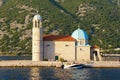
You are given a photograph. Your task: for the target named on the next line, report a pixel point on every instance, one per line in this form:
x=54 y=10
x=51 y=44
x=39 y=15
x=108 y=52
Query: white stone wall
x=37 y=44
x=37 y=41
x=62 y=49
x=65 y=50
x=48 y=49
x=83 y=53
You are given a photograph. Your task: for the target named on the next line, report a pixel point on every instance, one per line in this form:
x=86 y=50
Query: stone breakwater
x=29 y=63
x=102 y=64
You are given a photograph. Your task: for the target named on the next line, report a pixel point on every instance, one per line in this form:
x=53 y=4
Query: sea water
x=51 y=73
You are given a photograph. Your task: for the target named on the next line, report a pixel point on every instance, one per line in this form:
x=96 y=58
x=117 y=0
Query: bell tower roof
x=37 y=21
x=37 y=17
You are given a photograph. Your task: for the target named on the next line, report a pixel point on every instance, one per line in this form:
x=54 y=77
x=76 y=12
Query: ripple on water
x=36 y=73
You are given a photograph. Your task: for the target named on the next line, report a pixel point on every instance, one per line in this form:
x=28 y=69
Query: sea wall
x=29 y=63
x=111 y=57
x=102 y=64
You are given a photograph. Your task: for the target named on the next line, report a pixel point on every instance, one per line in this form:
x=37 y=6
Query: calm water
x=15 y=57
x=37 y=73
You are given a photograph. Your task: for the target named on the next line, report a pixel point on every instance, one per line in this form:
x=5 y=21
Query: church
x=74 y=47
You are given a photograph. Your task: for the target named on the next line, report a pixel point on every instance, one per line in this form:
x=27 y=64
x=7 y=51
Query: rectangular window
x=48 y=45
x=80 y=42
x=66 y=45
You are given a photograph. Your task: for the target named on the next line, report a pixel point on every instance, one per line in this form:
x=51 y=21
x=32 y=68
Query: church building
x=74 y=47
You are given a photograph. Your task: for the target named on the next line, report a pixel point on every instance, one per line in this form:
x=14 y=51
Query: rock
x=83 y=9
x=60 y=1
x=1 y=2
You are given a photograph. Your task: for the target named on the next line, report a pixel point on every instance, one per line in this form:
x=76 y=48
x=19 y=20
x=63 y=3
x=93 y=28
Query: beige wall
x=63 y=49
x=82 y=42
x=37 y=39
x=37 y=44
x=48 y=49
x=83 y=53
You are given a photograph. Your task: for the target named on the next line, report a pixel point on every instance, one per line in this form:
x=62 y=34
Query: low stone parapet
x=103 y=64
x=28 y=63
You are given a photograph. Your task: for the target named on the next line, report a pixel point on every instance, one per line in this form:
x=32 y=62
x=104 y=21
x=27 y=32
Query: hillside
x=100 y=19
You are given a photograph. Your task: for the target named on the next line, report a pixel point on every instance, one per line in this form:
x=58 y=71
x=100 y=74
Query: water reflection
x=96 y=74
x=87 y=74
x=35 y=74
x=14 y=73
x=49 y=73
x=42 y=73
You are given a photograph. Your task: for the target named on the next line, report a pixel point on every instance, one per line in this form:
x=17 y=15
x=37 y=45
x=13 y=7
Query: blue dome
x=79 y=34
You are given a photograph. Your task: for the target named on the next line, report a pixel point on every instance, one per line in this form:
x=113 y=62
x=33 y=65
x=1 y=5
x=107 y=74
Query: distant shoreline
x=14 y=55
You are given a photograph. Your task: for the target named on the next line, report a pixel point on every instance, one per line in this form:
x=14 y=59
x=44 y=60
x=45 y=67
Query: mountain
x=100 y=19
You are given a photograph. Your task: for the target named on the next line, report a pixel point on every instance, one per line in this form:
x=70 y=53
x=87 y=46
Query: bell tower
x=37 y=39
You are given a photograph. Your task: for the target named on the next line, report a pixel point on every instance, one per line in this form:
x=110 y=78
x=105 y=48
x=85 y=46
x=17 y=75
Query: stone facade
x=37 y=40
x=55 y=47
x=83 y=53
x=60 y=49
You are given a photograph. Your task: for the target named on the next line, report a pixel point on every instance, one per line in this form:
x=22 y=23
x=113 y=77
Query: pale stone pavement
x=29 y=63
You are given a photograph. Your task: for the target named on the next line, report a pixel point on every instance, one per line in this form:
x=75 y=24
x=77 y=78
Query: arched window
x=35 y=23
x=38 y=24
x=81 y=43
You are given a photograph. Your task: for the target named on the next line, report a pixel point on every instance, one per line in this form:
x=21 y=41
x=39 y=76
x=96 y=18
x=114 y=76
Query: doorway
x=56 y=58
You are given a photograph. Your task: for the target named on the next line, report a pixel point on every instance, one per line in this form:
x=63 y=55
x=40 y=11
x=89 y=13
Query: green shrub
x=61 y=59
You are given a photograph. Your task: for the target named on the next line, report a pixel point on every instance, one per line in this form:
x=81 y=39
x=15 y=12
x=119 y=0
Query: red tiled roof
x=57 y=38
x=95 y=46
